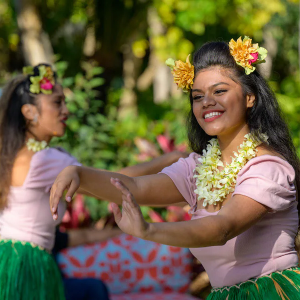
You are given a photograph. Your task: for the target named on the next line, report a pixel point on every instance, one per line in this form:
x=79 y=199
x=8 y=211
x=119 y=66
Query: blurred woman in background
x=32 y=112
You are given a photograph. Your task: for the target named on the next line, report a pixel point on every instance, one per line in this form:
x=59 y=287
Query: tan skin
x=213 y=90
x=46 y=120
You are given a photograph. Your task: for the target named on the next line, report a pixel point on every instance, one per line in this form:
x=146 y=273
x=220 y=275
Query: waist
x=24 y=243
x=43 y=239
x=271 y=286
x=231 y=273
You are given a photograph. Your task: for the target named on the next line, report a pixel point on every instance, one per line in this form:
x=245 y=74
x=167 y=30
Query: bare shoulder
x=21 y=167
x=265 y=150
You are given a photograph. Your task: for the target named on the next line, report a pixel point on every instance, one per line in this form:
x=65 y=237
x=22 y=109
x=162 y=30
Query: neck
x=231 y=142
x=38 y=137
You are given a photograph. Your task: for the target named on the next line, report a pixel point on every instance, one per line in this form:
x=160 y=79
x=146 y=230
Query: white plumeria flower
x=214 y=185
x=36 y=146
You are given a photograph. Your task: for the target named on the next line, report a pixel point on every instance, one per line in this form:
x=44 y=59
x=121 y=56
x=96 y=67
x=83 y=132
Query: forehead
x=57 y=90
x=209 y=77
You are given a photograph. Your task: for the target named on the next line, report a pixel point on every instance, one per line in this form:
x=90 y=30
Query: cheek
x=196 y=107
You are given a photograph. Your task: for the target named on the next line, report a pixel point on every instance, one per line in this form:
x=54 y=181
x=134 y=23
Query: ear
x=29 y=111
x=250 y=100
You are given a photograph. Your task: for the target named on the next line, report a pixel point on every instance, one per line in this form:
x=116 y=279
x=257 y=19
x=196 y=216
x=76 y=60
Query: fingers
x=71 y=191
x=131 y=201
x=56 y=194
x=119 y=185
x=116 y=211
x=126 y=194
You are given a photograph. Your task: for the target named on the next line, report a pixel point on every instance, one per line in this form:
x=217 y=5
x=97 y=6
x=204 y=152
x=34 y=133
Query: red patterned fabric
x=130 y=265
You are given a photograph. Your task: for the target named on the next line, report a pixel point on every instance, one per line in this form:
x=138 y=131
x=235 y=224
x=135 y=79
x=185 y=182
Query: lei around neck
x=35 y=145
x=214 y=185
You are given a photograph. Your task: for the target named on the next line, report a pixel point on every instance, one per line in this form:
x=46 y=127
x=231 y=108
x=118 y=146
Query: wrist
x=149 y=232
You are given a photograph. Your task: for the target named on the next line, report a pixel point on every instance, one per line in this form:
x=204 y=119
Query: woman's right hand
x=68 y=179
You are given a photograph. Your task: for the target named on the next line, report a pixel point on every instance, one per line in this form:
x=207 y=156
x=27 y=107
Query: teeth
x=213 y=114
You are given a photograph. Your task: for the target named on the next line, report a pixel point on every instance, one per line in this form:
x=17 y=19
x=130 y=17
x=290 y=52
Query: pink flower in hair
x=255 y=57
x=46 y=84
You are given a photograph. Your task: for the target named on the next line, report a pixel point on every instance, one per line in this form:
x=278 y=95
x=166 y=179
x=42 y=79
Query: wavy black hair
x=13 y=126
x=264 y=116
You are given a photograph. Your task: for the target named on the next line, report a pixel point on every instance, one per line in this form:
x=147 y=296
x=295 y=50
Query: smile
x=211 y=116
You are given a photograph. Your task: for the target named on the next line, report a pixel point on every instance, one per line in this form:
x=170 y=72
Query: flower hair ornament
x=42 y=81
x=183 y=73
x=245 y=54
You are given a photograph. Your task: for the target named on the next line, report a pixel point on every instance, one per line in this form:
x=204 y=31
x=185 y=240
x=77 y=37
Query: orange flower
x=183 y=74
x=241 y=50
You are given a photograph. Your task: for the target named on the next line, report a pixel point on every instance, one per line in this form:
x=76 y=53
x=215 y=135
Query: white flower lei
x=214 y=185
x=36 y=146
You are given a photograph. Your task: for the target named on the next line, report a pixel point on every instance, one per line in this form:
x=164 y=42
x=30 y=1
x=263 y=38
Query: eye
x=197 y=98
x=220 y=91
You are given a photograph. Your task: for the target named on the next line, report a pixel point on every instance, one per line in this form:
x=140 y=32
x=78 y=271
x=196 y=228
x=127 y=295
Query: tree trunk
x=270 y=43
x=128 y=102
x=36 y=43
x=156 y=72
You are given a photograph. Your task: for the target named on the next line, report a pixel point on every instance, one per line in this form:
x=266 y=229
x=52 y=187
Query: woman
x=242 y=189
x=33 y=111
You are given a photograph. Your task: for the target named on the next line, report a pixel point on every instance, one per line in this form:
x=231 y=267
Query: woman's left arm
x=238 y=215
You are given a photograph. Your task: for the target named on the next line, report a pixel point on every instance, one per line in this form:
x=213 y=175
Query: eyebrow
x=214 y=85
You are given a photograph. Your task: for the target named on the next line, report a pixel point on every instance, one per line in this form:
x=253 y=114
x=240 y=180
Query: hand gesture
x=130 y=220
x=67 y=179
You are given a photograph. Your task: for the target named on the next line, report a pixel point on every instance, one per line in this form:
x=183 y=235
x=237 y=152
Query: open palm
x=130 y=219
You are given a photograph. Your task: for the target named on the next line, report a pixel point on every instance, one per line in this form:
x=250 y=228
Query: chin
x=213 y=131
x=59 y=133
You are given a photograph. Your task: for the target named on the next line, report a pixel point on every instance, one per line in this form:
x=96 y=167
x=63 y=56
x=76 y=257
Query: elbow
x=222 y=237
x=221 y=241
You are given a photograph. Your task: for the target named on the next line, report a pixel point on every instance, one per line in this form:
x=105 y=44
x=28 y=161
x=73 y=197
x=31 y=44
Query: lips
x=63 y=121
x=212 y=115
x=211 y=111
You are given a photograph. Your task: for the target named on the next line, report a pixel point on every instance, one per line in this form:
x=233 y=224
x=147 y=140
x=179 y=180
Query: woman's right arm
x=152 y=190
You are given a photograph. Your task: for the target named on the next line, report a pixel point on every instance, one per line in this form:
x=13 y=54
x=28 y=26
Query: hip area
x=279 y=285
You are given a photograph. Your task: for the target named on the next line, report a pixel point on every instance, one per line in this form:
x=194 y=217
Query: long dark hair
x=264 y=116
x=13 y=126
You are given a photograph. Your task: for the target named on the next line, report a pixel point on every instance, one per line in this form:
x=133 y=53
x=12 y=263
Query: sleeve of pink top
x=182 y=173
x=268 y=180
x=46 y=165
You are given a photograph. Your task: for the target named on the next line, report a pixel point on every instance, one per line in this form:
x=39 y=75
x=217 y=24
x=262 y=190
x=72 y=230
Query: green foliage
x=98 y=139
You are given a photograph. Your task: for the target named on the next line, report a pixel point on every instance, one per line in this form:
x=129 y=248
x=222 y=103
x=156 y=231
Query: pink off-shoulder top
x=266 y=247
x=28 y=217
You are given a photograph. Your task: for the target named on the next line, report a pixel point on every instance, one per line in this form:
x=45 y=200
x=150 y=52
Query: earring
x=35 y=119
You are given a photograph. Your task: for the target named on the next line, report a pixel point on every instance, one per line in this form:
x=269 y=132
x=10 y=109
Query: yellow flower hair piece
x=213 y=185
x=247 y=54
x=183 y=73
x=43 y=82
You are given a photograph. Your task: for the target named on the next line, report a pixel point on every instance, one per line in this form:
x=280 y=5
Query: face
x=52 y=113
x=218 y=102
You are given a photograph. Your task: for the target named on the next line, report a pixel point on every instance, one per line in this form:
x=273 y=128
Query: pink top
x=28 y=217
x=267 y=246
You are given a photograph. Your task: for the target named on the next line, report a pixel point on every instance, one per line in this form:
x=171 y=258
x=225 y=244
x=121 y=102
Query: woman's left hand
x=131 y=219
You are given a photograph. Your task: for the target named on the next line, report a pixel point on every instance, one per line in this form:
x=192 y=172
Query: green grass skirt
x=282 y=285
x=28 y=272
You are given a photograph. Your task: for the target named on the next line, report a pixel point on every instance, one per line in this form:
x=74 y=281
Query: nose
x=65 y=110
x=208 y=101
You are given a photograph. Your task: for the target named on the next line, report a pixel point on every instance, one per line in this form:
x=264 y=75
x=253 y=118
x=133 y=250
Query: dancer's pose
x=32 y=111
x=240 y=181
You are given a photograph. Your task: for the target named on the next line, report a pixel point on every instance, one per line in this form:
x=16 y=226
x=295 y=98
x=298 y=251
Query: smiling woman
x=240 y=181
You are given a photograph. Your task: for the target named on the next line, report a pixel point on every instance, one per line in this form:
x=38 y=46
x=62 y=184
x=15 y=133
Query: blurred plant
x=76 y=215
